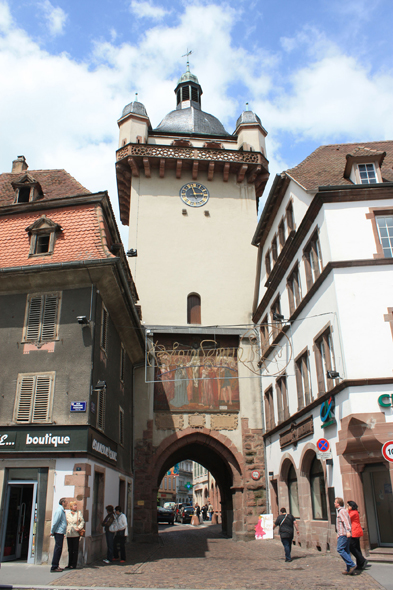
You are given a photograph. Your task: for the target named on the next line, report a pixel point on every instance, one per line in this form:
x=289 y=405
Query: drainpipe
x=134 y=367
x=263 y=429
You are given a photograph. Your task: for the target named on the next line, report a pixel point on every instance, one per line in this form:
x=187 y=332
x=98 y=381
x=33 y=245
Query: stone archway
x=219 y=456
x=211 y=449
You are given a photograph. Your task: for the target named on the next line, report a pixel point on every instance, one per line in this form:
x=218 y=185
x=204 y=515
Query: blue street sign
x=78 y=407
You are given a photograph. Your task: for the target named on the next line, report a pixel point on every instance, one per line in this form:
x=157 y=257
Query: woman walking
x=75 y=524
x=357 y=532
x=109 y=535
x=285 y=522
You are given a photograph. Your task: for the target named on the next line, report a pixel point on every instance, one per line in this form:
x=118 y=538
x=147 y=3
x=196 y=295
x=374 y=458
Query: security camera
x=82 y=319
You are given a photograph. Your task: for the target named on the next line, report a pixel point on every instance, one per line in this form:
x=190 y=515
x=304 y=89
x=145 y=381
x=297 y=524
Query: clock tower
x=189 y=190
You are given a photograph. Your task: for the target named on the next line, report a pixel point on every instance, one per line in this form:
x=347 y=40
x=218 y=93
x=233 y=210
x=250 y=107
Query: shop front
x=40 y=465
x=367 y=474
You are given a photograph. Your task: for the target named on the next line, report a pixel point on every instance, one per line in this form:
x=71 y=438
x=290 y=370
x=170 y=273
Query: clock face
x=194 y=194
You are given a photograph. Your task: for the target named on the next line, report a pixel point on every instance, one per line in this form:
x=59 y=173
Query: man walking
x=344 y=533
x=120 y=536
x=58 y=529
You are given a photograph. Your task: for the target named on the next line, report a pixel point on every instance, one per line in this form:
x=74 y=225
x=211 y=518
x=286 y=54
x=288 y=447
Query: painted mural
x=203 y=378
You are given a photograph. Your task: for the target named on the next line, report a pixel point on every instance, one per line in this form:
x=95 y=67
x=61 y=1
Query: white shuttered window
x=34 y=395
x=42 y=318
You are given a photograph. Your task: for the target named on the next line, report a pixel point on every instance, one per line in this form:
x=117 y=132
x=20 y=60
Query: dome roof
x=191 y=120
x=188 y=77
x=248 y=117
x=134 y=107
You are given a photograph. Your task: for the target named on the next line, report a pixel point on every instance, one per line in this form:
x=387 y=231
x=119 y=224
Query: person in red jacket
x=357 y=532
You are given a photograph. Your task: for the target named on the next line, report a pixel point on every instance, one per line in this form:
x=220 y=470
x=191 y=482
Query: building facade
x=186 y=188
x=70 y=335
x=323 y=314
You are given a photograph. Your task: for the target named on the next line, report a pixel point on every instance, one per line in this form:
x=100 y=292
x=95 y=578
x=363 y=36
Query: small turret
x=134 y=123
x=250 y=132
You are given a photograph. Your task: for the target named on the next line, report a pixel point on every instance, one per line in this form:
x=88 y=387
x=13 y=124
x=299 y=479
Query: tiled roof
x=83 y=236
x=326 y=165
x=55 y=184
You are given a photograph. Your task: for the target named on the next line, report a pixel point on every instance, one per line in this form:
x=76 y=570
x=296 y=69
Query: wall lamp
x=82 y=319
x=132 y=253
x=100 y=385
x=277 y=317
x=333 y=375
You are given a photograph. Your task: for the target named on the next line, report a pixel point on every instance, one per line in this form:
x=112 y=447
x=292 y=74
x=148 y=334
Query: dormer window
x=367 y=174
x=363 y=166
x=42 y=236
x=26 y=189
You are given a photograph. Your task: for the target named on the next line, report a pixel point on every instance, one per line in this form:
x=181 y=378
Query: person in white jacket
x=120 y=536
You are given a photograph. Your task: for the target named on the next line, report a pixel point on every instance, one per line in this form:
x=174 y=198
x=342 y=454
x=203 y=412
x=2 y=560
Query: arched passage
x=218 y=455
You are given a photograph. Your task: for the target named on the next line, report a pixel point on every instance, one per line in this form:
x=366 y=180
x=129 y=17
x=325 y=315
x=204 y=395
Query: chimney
x=19 y=165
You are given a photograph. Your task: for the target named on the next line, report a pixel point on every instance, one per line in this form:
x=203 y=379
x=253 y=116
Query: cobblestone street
x=194 y=558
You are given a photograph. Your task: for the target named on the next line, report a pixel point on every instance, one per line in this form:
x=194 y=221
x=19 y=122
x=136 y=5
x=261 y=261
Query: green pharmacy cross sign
x=188 y=485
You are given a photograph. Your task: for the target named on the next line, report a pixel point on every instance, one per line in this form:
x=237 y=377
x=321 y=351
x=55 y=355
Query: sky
x=316 y=72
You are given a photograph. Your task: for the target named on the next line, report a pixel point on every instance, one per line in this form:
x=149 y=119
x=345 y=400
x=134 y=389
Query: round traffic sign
x=387 y=451
x=323 y=445
x=255 y=475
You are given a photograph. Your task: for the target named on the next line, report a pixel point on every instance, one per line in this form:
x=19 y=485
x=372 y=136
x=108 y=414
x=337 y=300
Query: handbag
x=82 y=532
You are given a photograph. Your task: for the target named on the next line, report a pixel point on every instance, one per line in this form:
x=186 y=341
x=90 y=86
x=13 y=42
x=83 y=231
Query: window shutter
x=41 y=398
x=101 y=408
x=194 y=309
x=104 y=328
x=34 y=319
x=26 y=392
x=49 y=319
x=121 y=426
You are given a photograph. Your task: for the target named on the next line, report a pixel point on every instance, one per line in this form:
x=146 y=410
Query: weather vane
x=188 y=61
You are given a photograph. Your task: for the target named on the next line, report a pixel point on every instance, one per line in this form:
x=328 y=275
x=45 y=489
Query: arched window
x=293 y=492
x=193 y=309
x=318 y=493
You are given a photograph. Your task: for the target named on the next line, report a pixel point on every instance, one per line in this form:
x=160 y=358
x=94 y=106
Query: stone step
x=381 y=555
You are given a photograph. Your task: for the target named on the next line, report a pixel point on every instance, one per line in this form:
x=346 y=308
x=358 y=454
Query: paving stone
x=201 y=558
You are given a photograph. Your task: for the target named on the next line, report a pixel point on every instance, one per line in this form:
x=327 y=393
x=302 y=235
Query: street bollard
x=215 y=519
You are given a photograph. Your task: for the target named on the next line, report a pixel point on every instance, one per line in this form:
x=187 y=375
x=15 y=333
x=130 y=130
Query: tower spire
x=188 y=61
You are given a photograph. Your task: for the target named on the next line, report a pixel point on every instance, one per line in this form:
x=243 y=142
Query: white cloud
x=5 y=17
x=55 y=17
x=143 y=9
x=61 y=113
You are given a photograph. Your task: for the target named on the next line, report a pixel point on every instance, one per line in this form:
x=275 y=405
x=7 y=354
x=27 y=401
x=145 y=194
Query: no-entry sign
x=387 y=451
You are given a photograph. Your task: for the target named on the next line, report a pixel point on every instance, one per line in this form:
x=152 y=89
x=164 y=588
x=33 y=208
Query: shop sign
x=327 y=412
x=102 y=446
x=32 y=439
x=386 y=400
x=296 y=432
x=387 y=451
